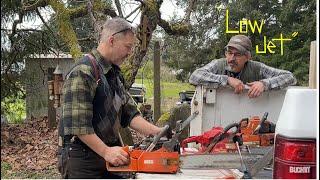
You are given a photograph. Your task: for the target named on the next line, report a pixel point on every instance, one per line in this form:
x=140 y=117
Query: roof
x=51 y=56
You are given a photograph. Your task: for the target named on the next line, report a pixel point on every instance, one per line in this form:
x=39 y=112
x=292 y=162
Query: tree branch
x=133 y=11
x=118 y=5
x=93 y=21
x=32 y=7
x=43 y=21
x=191 y=5
x=22 y=30
x=174 y=29
x=86 y=39
x=45 y=24
x=83 y=10
x=14 y=26
x=65 y=28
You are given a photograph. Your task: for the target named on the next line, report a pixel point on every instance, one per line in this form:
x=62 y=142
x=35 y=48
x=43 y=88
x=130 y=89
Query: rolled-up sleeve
x=208 y=74
x=129 y=111
x=276 y=78
x=78 y=92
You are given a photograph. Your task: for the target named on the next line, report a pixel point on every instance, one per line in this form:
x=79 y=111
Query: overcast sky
x=168 y=10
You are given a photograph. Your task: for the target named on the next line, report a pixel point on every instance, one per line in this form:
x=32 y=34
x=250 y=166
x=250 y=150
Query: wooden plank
x=313 y=66
x=51 y=110
x=195 y=173
x=144 y=33
x=156 y=84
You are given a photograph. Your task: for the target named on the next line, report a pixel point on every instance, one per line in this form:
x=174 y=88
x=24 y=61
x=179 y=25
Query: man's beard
x=229 y=68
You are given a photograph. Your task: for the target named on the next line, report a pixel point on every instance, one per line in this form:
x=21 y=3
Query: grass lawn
x=168 y=89
x=169 y=92
x=8 y=173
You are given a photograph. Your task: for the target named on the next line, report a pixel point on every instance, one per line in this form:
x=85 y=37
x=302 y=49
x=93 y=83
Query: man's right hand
x=116 y=156
x=236 y=84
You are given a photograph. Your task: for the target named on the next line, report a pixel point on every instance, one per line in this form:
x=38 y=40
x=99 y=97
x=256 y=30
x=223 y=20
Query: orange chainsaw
x=257 y=132
x=162 y=160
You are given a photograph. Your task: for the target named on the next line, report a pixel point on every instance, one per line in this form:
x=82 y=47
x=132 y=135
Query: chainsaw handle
x=184 y=143
x=156 y=139
x=230 y=126
x=126 y=149
x=221 y=136
x=243 y=120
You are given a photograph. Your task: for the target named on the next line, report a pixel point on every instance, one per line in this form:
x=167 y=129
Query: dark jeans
x=77 y=161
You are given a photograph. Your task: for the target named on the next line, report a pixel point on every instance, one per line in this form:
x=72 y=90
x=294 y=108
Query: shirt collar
x=104 y=64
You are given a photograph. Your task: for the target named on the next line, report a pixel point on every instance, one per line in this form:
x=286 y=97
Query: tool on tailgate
x=163 y=160
x=245 y=170
x=257 y=132
x=214 y=140
x=248 y=132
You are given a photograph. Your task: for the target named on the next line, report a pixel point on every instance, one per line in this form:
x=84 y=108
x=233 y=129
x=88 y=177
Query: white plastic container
x=295 y=136
x=298 y=116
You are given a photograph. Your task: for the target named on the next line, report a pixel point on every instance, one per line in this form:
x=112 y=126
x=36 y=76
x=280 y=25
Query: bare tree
x=99 y=11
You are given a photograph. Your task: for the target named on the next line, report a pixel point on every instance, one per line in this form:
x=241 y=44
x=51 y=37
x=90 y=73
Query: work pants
x=78 y=161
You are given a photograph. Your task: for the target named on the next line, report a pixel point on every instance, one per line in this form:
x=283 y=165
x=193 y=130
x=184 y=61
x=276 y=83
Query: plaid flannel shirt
x=272 y=78
x=79 y=92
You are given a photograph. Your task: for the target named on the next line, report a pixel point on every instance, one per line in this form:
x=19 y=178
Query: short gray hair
x=114 y=26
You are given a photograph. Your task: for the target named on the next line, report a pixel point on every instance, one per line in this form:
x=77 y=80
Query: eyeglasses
x=235 y=54
x=123 y=30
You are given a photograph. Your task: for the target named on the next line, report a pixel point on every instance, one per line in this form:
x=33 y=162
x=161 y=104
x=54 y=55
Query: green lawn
x=168 y=89
x=8 y=173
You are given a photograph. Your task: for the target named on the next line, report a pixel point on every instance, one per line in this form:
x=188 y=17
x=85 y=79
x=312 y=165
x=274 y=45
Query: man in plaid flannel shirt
x=237 y=70
x=94 y=109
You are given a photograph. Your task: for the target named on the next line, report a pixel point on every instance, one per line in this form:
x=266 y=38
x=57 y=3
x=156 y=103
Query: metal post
x=156 y=81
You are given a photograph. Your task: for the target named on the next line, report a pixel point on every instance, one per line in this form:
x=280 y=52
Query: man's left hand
x=256 y=89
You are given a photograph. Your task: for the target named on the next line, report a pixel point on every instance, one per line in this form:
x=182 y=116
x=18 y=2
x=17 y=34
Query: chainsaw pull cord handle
x=221 y=136
x=156 y=139
x=263 y=119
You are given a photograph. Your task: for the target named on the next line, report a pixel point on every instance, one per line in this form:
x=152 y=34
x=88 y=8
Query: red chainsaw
x=253 y=131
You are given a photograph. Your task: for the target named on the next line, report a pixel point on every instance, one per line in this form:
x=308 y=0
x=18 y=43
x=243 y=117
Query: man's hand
x=116 y=156
x=236 y=84
x=256 y=89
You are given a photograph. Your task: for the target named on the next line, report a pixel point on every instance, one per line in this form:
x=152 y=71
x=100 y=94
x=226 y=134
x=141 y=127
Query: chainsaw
x=216 y=140
x=253 y=132
x=256 y=131
x=152 y=158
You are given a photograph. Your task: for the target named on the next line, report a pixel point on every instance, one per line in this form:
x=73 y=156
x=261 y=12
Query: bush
x=14 y=109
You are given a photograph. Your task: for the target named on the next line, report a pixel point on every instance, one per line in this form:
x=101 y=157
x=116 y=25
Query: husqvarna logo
x=294 y=169
x=148 y=161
